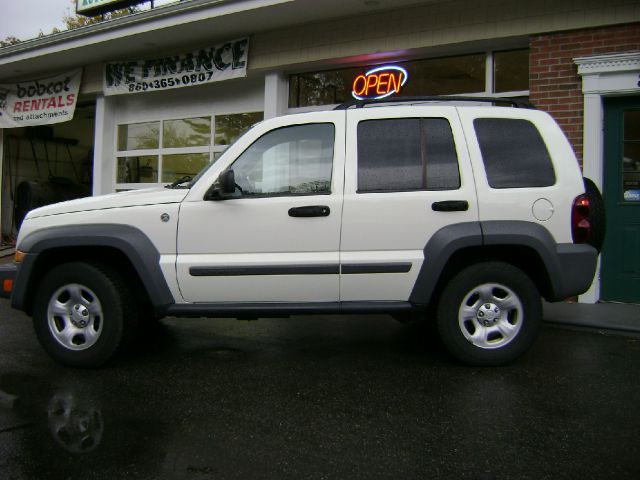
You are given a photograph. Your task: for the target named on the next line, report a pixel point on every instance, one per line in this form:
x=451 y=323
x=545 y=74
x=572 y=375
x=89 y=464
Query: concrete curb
x=610 y=316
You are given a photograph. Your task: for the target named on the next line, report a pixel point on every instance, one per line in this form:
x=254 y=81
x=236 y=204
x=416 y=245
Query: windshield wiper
x=178 y=182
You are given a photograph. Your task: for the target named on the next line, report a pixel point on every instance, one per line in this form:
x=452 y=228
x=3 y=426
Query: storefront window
x=163 y=151
x=138 y=169
x=230 y=127
x=138 y=136
x=181 y=165
x=446 y=76
x=188 y=132
x=321 y=88
x=463 y=74
x=631 y=158
x=511 y=71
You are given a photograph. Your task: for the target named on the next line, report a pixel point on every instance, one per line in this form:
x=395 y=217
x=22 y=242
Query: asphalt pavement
x=333 y=397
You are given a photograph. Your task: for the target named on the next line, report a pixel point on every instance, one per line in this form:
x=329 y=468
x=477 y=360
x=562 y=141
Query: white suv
x=465 y=215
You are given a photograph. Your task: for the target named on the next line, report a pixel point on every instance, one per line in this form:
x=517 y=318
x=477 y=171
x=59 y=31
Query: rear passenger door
x=407 y=176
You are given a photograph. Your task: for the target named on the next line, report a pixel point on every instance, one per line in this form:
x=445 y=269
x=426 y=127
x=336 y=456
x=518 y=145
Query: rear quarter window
x=514 y=153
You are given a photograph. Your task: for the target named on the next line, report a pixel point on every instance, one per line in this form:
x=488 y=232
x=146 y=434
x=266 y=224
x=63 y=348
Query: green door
x=621 y=190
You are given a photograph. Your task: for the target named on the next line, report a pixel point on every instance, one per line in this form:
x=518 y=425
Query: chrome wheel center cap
x=488 y=314
x=79 y=315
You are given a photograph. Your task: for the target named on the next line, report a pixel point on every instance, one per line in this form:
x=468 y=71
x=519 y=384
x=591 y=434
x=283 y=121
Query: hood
x=132 y=198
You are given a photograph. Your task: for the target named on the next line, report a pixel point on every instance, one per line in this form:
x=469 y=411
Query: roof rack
x=514 y=102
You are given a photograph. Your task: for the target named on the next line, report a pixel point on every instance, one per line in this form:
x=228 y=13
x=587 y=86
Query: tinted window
x=288 y=161
x=406 y=154
x=513 y=153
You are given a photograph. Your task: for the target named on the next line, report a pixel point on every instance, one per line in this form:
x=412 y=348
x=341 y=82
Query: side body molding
x=132 y=242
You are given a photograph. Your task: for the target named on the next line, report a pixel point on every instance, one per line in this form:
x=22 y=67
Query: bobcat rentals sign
x=39 y=102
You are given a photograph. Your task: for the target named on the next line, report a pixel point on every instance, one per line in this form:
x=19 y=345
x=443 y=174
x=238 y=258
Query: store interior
x=45 y=164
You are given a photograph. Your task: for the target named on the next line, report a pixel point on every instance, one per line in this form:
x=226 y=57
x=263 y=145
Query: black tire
x=511 y=329
x=94 y=306
x=597 y=217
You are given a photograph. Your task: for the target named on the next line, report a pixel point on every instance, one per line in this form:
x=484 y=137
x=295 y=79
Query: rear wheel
x=489 y=314
x=81 y=314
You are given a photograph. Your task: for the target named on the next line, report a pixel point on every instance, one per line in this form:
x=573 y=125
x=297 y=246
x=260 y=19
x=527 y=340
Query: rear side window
x=514 y=154
x=404 y=154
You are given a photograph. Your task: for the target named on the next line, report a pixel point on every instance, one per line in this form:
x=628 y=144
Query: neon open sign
x=379 y=82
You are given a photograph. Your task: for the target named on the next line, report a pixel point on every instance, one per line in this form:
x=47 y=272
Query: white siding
x=431 y=25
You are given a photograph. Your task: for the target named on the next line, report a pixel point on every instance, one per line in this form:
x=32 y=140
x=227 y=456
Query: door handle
x=310 y=211
x=450 y=206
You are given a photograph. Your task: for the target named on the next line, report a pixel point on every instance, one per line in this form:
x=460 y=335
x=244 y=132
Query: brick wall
x=553 y=77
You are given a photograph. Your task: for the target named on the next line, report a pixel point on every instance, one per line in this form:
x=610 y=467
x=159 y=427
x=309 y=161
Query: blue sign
x=632 y=196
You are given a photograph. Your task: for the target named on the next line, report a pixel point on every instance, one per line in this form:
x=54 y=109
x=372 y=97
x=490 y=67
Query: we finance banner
x=39 y=102
x=202 y=66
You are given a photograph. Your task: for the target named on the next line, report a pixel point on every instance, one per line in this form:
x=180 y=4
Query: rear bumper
x=576 y=269
x=8 y=274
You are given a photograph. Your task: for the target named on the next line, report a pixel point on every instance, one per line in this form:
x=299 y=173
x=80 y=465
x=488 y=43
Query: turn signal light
x=19 y=256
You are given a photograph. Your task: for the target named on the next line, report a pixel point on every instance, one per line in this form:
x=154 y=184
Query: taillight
x=580 y=224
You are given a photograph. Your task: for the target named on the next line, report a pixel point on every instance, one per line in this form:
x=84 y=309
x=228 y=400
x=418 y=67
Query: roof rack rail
x=514 y=102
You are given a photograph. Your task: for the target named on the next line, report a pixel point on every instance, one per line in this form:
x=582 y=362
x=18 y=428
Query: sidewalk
x=609 y=316
x=6 y=253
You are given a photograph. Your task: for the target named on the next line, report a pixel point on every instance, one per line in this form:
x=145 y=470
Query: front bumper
x=8 y=274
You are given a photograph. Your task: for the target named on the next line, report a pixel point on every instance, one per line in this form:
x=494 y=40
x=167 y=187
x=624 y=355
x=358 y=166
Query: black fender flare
x=569 y=267
x=130 y=241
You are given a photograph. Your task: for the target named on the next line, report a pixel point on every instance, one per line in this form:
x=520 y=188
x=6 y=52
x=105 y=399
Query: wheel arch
x=522 y=257
x=125 y=247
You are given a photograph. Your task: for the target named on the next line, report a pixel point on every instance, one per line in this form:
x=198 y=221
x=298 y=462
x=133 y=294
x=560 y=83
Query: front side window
x=293 y=160
x=404 y=154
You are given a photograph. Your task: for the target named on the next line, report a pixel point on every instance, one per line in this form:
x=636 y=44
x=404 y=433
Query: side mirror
x=223 y=188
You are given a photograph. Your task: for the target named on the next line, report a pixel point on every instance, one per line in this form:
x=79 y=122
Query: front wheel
x=489 y=314
x=81 y=314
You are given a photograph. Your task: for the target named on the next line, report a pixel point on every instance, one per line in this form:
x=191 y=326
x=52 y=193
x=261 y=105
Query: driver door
x=276 y=239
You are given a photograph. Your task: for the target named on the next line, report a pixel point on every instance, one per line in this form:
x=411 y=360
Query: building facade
x=578 y=60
